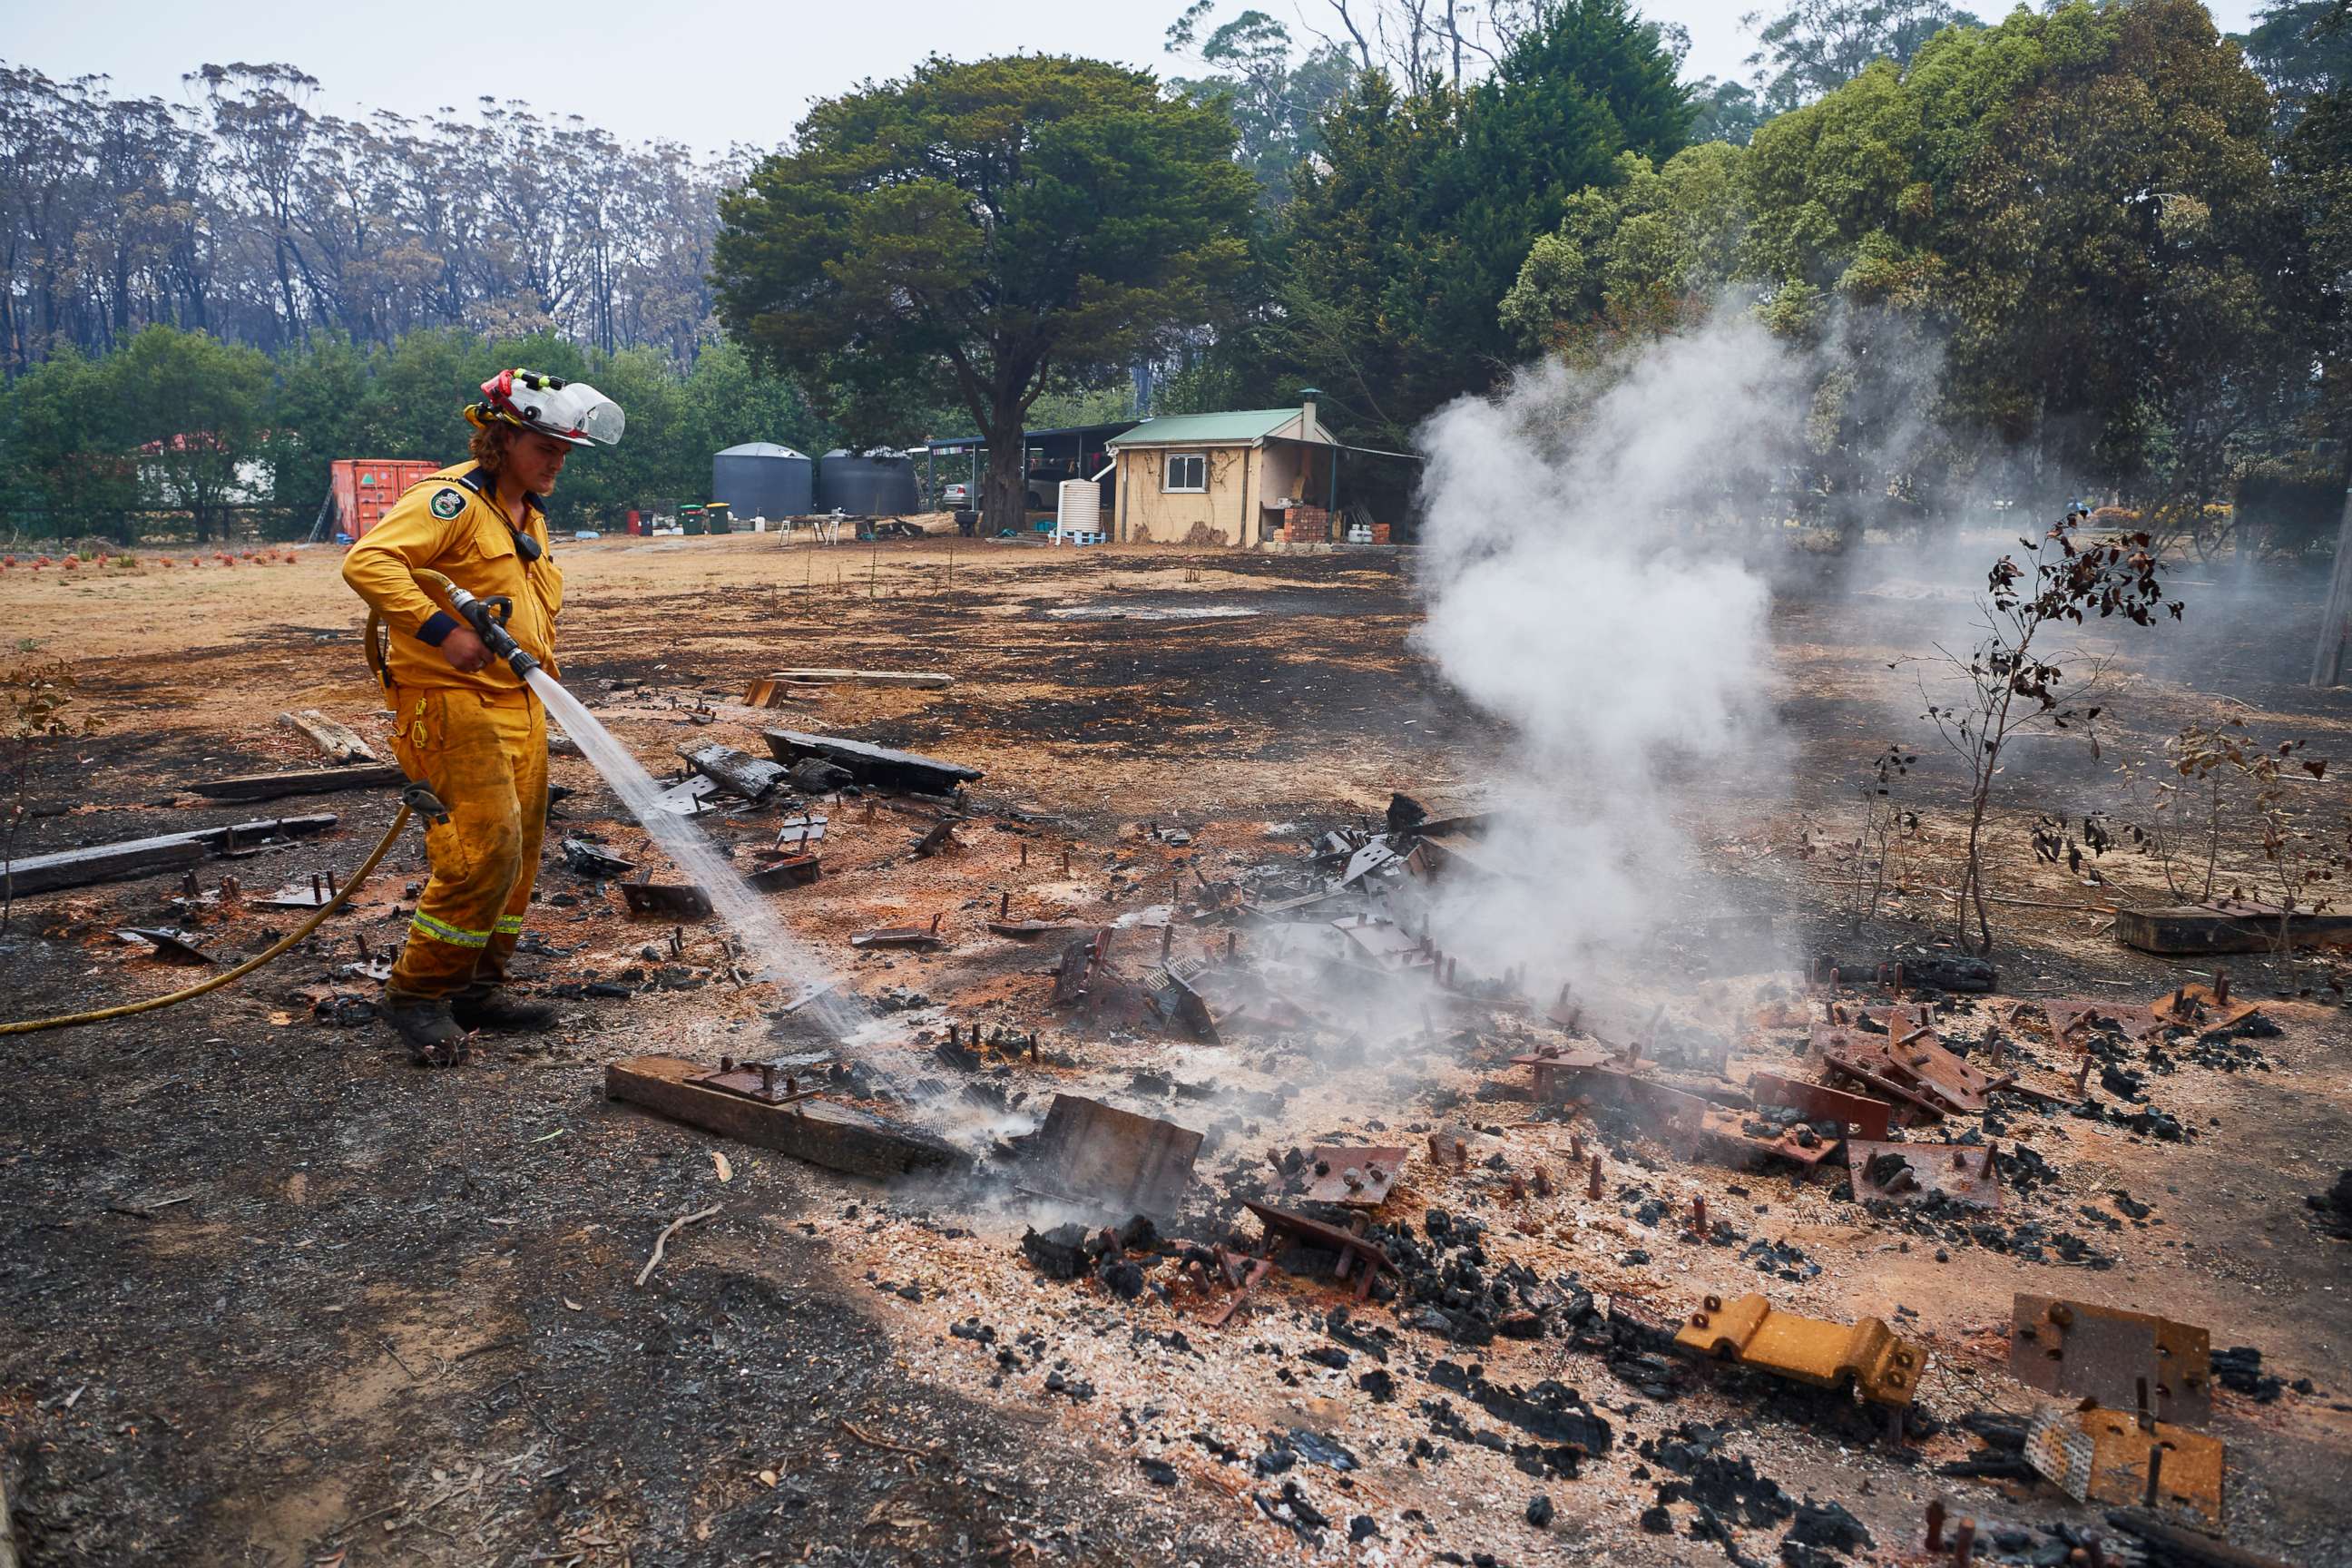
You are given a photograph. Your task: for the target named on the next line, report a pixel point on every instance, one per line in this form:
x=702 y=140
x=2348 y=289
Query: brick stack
x=1304 y=525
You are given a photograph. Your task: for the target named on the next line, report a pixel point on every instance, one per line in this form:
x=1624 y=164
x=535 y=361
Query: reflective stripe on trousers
x=486 y=756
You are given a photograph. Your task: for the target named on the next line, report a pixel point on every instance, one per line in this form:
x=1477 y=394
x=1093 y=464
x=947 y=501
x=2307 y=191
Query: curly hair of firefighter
x=487 y=446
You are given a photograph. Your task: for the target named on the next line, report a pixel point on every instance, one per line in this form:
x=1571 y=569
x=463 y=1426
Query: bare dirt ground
x=272 y=1296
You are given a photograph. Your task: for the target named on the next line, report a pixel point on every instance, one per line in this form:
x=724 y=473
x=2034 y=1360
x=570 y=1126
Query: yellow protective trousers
x=485 y=754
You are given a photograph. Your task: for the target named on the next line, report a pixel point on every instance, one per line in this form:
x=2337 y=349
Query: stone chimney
x=1307 y=396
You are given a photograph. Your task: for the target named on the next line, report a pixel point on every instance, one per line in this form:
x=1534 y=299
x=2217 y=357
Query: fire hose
x=416 y=799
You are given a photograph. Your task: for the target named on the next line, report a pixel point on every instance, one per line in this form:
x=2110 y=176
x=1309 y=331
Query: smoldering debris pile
x=1302 y=1109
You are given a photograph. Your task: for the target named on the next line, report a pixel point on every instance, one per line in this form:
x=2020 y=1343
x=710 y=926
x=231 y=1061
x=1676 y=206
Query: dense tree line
x=2097 y=247
x=243 y=213
x=176 y=433
x=2114 y=239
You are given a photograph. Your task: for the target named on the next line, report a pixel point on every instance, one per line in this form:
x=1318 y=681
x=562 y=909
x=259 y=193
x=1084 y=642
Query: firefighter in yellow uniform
x=464 y=722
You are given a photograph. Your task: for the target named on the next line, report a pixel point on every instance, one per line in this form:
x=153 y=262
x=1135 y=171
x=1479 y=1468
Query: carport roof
x=1244 y=427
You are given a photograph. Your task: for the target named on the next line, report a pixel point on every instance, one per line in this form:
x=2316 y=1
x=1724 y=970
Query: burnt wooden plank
x=754 y=778
x=2189 y=930
x=100 y=863
x=871 y=765
x=141 y=857
x=317 y=781
x=836 y=1137
x=338 y=741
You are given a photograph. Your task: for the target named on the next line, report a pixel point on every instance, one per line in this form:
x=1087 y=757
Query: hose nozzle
x=487 y=617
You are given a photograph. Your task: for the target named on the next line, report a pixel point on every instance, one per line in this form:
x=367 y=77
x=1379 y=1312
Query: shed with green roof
x=1232 y=478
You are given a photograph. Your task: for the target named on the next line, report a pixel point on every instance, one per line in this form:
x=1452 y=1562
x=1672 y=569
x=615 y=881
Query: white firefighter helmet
x=569 y=411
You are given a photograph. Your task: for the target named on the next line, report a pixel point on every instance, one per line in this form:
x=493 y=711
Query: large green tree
x=194 y=407
x=998 y=226
x=1814 y=46
x=63 y=448
x=2078 y=215
x=2303 y=50
x=1396 y=255
x=1277 y=102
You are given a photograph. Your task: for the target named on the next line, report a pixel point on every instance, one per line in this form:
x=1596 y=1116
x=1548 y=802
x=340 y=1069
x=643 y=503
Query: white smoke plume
x=1574 y=594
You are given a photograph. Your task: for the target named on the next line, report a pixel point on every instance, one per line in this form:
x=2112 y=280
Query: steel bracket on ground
x=2131 y=1360
x=1868 y=1356
x=2097 y=1454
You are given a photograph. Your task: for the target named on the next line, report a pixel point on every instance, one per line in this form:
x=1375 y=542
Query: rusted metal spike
x=1543 y=1181
x=1592 y=1188
x=1935 y=1525
x=1964 y=1542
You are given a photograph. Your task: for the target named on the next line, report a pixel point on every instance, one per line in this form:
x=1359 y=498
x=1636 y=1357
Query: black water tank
x=760 y=478
x=879 y=485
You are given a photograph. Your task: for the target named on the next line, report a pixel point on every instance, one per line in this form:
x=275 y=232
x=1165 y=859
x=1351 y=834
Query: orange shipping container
x=365 y=488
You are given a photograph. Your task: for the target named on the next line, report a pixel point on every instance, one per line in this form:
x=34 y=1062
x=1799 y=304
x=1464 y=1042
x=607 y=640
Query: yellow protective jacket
x=450 y=524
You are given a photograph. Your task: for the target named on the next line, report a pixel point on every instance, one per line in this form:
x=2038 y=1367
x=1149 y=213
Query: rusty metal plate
x=791 y=871
x=1210 y=996
x=1097 y=1153
x=765 y=1082
x=2097 y=1455
x=1872 y=1073
x=2199 y=1007
x=2115 y=1357
x=1913 y=1057
x=1671 y=1113
x=687 y=798
x=1965 y=1175
x=1023 y=931
x=1375 y=1172
x=316 y=892
x=799 y=832
x=2071 y=1013
x=898 y=936
x=1725 y=1134
x=1858 y=1114
x=665 y=899
x=1360 y=1256
x=168 y=945
x=1556 y=1072
x=1383 y=944
x=1868 y=1356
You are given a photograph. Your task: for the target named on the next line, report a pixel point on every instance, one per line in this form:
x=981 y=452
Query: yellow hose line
x=34 y=1025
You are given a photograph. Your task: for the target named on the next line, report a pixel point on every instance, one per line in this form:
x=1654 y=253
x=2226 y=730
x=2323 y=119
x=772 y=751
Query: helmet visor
x=601 y=422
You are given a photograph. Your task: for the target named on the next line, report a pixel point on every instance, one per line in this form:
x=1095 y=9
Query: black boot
x=431 y=1032
x=491 y=1008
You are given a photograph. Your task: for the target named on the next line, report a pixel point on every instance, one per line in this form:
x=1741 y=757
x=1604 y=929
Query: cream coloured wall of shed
x=1226 y=513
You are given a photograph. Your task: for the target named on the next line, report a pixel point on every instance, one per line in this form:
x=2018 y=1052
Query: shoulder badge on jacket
x=448 y=503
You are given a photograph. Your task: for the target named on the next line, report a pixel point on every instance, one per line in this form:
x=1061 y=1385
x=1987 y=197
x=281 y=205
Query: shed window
x=1187 y=471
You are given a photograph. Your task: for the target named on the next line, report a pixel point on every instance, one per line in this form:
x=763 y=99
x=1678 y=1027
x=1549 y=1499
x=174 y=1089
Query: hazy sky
x=705 y=72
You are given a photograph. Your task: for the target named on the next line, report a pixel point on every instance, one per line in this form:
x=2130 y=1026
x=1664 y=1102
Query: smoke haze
x=1632 y=670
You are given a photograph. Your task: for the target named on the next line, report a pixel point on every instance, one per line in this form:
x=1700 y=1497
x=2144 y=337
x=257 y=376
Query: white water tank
x=1078 y=509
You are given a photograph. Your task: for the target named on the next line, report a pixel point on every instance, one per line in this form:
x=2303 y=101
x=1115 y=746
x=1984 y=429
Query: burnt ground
x=271 y=1296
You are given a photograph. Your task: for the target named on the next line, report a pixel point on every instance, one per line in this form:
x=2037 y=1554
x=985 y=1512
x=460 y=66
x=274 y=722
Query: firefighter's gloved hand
x=419 y=798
